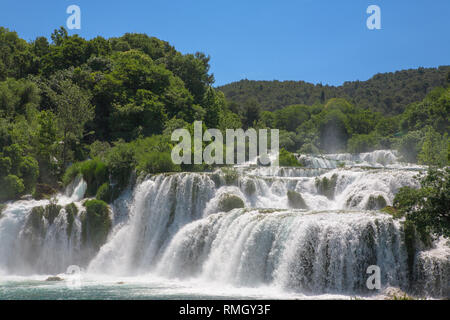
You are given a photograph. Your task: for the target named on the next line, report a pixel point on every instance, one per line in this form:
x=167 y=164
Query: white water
x=170 y=227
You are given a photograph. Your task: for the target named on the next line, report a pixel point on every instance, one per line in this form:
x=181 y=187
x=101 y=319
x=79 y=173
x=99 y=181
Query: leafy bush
x=5 y=166
x=428 y=208
x=12 y=187
x=158 y=162
x=434 y=149
x=107 y=193
x=287 y=159
x=121 y=162
x=29 y=172
x=410 y=145
x=71 y=173
x=94 y=172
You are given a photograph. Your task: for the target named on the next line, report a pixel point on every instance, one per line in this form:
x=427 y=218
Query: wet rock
x=376 y=203
x=295 y=200
x=249 y=187
x=392 y=293
x=228 y=202
x=43 y=191
x=326 y=187
x=54 y=279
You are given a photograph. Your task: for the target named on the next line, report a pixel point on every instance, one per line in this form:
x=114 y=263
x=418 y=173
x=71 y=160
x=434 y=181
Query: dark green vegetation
x=106 y=108
x=388 y=93
x=287 y=159
x=426 y=211
x=420 y=133
x=49 y=212
x=115 y=101
x=95 y=223
x=427 y=208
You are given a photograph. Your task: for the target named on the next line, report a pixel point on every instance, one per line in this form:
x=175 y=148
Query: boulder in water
x=392 y=293
x=376 y=203
x=54 y=279
x=295 y=200
x=95 y=223
x=249 y=187
x=228 y=202
x=354 y=200
x=327 y=186
x=231 y=176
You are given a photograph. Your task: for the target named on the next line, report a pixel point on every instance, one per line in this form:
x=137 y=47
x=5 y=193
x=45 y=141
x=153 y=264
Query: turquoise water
x=36 y=288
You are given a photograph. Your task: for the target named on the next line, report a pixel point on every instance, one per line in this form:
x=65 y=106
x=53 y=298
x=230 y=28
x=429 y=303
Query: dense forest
x=106 y=108
x=388 y=93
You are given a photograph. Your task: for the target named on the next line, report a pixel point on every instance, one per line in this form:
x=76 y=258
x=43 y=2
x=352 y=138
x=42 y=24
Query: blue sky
x=312 y=40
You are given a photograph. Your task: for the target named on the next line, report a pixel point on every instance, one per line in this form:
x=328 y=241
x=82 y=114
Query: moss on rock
x=228 y=202
x=295 y=200
x=392 y=211
x=95 y=223
x=106 y=193
x=376 y=202
x=51 y=212
x=35 y=219
x=71 y=213
x=249 y=187
x=231 y=176
x=326 y=187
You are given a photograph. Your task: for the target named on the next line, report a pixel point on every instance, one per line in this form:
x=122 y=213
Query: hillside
x=388 y=93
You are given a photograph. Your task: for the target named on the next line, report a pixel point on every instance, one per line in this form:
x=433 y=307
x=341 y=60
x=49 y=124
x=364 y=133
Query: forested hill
x=389 y=93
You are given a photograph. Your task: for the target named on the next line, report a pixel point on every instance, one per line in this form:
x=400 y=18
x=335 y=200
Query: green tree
x=250 y=112
x=434 y=149
x=73 y=111
x=428 y=208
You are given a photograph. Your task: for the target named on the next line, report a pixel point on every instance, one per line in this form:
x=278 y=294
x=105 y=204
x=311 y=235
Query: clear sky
x=312 y=40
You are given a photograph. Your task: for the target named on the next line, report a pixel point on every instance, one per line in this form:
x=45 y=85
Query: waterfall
x=32 y=241
x=313 y=252
x=312 y=230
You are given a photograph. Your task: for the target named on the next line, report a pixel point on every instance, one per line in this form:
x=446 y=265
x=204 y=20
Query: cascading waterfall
x=32 y=241
x=305 y=251
x=312 y=230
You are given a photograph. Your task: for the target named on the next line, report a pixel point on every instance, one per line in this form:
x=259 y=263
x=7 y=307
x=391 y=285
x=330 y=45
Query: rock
x=376 y=202
x=228 y=202
x=326 y=187
x=354 y=201
x=295 y=200
x=54 y=279
x=249 y=187
x=392 y=293
x=43 y=191
x=231 y=176
x=95 y=223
